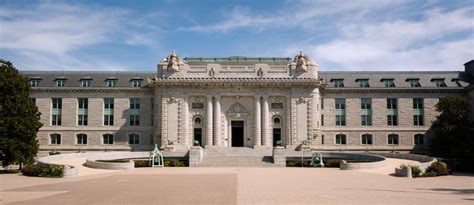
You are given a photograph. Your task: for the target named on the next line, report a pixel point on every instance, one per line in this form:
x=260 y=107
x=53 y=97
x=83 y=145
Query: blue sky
x=358 y=35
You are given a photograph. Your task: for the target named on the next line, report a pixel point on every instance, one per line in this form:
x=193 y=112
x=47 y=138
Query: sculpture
x=172 y=62
x=302 y=62
x=156 y=158
x=316 y=160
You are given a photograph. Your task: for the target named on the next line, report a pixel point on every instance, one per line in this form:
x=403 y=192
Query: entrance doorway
x=198 y=135
x=276 y=136
x=237 y=133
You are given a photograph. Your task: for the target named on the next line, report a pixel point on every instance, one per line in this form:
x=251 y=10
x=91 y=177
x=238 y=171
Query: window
x=367 y=139
x=439 y=83
x=55 y=138
x=392 y=139
x=338 y=83
x=418 y=120
x=108 y=139
x=365 y=103
x=57 y=103
x=322 y=139
x=414 y=83
x=340 y=103
x=81 y=139
x=322 y=103
x=134 y=120
x=391 y=103
x=33 y=100
x=86 y=83
x=366 y=120
x=108 y=103
x=340 y=139
x=134 y=103
x=417 y=103
x=389 y=83
x=363 y=83
x=111 y=83
x=340 y=120
x=109 y=120
x=197 y=121
x=82 y=120
x=392 y=120
x=83 y=103
x=277 y=105
x=56 y=119
x=197 y=106
x=137 y=83
x=276 y=120
x=34 y=83
x=457 y=81
x=419 y=139
x=133 y=139
x=322 y=120
x=60 y=83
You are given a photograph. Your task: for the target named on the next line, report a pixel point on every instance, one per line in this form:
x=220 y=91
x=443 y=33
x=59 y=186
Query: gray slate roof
x=400 y=78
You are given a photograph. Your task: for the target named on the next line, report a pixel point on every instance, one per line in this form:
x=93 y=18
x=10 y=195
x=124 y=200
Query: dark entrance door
x=237 y=133
x=198 y=135
x=276 y=135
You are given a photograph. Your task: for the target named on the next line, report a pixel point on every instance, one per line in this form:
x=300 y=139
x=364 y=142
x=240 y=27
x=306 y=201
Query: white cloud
x=403 y=44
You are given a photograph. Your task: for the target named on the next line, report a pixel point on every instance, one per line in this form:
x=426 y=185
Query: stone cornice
x=245 y=82
x=396 y=90
x=90 y=89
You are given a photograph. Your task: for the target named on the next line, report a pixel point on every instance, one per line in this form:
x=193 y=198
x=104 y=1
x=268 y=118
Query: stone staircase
x=237 y=157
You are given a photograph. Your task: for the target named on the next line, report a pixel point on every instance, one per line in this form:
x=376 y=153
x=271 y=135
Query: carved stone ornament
x=237 y=108
x=301 y=100
x=172 y=100
x=212 y=73
x=302 y=62
x=172 y=62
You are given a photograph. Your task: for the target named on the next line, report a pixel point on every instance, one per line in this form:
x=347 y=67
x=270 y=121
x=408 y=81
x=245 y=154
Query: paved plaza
x=237 y=186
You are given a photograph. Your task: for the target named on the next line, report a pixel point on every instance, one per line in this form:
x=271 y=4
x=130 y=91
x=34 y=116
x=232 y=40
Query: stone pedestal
x=279 y=156
x=195 y=156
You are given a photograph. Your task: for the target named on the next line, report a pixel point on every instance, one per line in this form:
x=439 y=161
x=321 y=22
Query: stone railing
x=425 y=161
x=95 y=161
x=378 y=161
x=68 y=170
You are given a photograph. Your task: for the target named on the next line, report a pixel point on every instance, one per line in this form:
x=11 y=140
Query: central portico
x=236 y=101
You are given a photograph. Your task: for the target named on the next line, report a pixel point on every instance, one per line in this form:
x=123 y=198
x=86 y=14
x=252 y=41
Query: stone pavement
x=237 y=186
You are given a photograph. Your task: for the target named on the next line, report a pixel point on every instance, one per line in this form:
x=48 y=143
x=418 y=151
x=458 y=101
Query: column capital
x=217 y=97
x=257 y=96
x=265 y=97
x=209 y=97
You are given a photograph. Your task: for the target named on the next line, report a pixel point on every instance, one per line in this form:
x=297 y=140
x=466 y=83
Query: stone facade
x=240 y=102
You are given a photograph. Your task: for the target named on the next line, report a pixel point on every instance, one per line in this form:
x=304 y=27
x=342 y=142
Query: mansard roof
x=98 y=78
x=237 y=60
x=400 y=78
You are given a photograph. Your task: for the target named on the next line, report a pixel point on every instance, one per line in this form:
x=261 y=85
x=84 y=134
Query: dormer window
x=111 y=83
x=389 y=83
x=60 y=82
x=363 y=83
x=439 y=82
x=86 y=82
x=136 y=83
x=457 y=81
x=414 y=82
x=35 y=82
x=338 y=83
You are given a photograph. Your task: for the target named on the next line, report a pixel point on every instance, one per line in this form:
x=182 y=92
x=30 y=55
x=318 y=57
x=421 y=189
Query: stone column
x=265 y=123
x=217 y=121
x=258 y=121
x=209 y=121
x=186 y=138
x=164 y=122
x=288 y=121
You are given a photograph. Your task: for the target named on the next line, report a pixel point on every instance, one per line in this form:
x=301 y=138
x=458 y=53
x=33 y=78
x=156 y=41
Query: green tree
x=19 y=118
x=453 y=134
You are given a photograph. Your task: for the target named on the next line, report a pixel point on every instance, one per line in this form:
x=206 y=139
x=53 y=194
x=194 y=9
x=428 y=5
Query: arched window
x=419 y=139
x=367 y=139
x=341 y=139
x=81 y=139
x=392 y=139
x=133 y=139
x=276 y=120
x=55 y=138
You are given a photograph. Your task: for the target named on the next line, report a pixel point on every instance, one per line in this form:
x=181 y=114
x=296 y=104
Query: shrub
x=36 y=170
x=175 y=163
x=332 y=163
x=142 y=163
x=439 y=168
x=429 y=174
x=114 y=160
x=415 y=171
x=297 y=163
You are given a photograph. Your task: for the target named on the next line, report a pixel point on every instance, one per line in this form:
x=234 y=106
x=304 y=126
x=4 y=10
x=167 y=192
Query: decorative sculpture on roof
x=302 y=62
x=173 y=62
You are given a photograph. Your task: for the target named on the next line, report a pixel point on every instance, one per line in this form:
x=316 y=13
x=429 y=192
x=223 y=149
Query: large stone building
x=240 y=102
